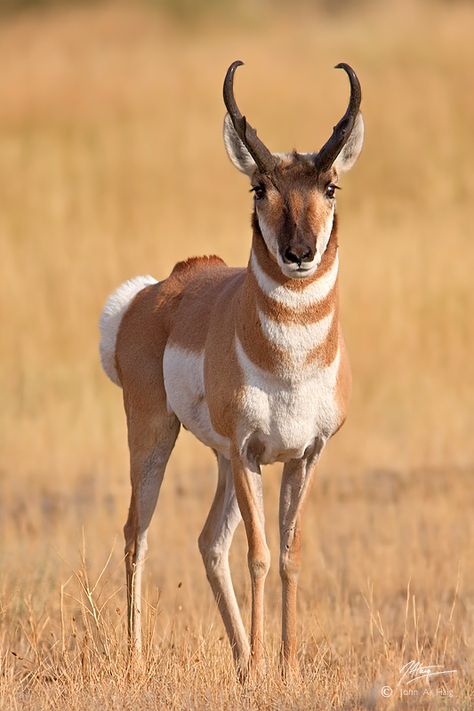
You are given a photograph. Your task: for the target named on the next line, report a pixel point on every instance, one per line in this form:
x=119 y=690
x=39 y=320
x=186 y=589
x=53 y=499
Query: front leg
x=297 y=476
x=248 y=488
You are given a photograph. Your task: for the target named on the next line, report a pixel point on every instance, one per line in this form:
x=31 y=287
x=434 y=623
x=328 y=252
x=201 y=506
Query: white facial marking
x=286 y=414
x=314 y=292
x=269 y=237
x=324 y=236
x=183 y=372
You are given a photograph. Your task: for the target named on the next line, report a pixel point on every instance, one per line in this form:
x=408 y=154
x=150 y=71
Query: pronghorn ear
x=349 y=154
x=236 y=150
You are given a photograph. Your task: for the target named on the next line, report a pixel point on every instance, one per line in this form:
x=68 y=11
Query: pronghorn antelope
x=252 y=361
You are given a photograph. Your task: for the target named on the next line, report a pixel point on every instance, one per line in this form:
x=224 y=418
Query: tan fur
x=202 y=308
x=324 y=354
x=317 y=210
x=344 y=382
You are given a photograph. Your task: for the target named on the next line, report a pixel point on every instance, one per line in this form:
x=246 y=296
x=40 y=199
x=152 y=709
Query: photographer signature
x=412 y=671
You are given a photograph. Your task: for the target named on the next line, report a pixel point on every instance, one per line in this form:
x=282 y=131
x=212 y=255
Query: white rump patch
x=111 y=317
x=314 y=292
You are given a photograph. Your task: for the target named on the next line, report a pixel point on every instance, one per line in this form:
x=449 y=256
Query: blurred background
x=112 y=165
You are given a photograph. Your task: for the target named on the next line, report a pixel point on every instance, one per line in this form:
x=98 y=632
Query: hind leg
x=151 y=441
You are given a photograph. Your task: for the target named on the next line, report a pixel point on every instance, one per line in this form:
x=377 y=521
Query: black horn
x=341 y=132
x=265 y=160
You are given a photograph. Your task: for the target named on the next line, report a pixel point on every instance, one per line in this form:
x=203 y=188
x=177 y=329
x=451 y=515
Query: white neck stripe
x=314 y=292
x=289 y=375
x=296 y=338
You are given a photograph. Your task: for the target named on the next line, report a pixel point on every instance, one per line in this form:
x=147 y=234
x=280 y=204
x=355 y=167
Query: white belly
x=287 y=415
x=183 y=373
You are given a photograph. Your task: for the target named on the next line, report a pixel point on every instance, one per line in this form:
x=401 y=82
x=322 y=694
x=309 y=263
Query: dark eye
x=258 y=191
x=331 y=190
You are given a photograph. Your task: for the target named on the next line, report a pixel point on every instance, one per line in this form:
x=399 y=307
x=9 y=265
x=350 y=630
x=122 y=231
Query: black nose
x=298 y=255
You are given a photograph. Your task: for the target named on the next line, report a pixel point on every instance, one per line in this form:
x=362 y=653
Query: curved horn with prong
x=341 y=132
x=265 y=160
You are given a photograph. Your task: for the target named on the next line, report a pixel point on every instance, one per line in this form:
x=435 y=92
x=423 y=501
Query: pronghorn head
x=294 y=193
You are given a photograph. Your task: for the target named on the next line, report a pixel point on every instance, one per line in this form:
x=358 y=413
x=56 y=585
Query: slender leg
x=297 y=476
x=150 y=448
x=248 y=488
x=214 y=543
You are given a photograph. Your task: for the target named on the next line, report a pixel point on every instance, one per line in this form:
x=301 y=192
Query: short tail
x=111 y=317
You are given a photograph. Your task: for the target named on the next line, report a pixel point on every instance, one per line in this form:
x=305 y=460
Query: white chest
x=287 y=415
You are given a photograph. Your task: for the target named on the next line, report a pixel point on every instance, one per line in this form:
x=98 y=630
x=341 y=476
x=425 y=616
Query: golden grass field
x=111 y=165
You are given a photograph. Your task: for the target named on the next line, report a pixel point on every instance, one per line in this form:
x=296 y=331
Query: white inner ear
x=349 y=154
x=236 y=150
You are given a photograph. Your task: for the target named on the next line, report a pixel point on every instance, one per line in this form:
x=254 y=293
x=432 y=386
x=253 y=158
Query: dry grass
x=111 y=164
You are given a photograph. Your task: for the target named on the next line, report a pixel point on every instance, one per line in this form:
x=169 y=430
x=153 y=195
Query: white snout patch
x=316 y=291
x=293 y=271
